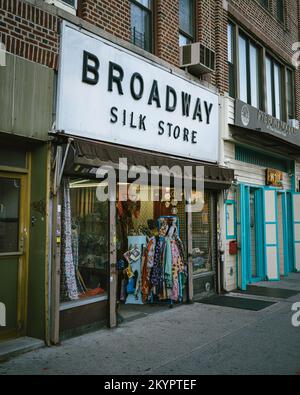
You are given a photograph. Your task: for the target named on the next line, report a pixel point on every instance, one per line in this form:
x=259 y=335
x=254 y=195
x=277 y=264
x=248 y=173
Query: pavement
x=189 y=340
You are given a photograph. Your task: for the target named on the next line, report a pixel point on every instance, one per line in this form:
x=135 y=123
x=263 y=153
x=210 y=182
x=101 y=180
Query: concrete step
x=14 y=347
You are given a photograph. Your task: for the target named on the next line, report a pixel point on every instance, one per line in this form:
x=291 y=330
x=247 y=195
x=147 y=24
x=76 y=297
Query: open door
x=296 y=227
x=271 y=242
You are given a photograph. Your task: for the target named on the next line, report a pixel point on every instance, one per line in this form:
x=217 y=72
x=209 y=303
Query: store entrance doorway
x=13 y=254
x=255 y=239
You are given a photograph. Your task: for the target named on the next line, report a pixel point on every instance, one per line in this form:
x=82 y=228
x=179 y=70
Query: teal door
x=251 y=228
x=290 y=233
x=255 y=263
x=271 y=239
x=296 y=230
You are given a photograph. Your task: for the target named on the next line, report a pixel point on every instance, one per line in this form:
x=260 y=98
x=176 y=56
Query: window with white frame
x=274 y=88
x=67 y=5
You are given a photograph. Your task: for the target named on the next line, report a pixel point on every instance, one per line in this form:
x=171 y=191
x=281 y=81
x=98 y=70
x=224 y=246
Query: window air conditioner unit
x=294 y=123
x=197 y=59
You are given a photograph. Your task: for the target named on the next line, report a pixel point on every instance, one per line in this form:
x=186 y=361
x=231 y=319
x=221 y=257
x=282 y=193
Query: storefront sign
x=274 y=177
x=109 y=94
x=249 y=117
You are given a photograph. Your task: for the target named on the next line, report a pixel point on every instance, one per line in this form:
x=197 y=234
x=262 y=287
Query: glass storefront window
x=139 y=220
x=202 y=238
x=154 y=228
x=134 y=217
x=90 y=239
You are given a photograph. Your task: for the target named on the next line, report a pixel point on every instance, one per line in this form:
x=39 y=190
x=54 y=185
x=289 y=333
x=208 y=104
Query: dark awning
x=90 y=154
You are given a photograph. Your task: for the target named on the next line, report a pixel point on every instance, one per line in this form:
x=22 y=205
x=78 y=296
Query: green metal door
x=13 y=257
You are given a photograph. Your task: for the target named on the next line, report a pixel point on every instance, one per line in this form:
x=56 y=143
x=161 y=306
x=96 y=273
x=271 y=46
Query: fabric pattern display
x=69 y=290
x=164 y=273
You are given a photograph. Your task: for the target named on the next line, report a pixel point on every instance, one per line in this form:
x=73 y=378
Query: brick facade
x=112 y=16
x=167 y=25
x=29 y=32
x=30 y=29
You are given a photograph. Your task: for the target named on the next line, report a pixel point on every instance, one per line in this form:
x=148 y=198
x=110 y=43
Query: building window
x=141 y=24
x=231 y=60
x=243 y=69
x=85 y=241
x=249 y=72
x=70 y=2
x=186 y=22
x=203 y=251
x=67 y=5
x=274 y=88
x=290 y=94
x=280 y=10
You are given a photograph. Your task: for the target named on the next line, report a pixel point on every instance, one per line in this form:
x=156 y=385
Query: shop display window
x=202 y=237
x=90 y=242
x=152 y=258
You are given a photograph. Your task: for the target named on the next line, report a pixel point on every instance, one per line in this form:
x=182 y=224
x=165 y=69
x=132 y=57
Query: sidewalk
x=191 y=339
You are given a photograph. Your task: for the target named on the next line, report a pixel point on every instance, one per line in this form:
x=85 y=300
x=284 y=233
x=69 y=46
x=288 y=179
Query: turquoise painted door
x=296 y=230
x=290 y=233
x=243 y=236
x=271 y=242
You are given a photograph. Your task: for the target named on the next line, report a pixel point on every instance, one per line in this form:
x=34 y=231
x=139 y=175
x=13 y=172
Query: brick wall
x=112 y=16
x=167 y=25
x=29 y=32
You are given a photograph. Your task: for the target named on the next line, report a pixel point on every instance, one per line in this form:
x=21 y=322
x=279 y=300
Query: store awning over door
x=88 y=154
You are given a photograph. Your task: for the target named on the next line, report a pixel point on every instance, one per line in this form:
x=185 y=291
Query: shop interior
x=151 y=245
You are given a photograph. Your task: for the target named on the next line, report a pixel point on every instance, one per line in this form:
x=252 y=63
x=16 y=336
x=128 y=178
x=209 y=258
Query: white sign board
x=109 y=94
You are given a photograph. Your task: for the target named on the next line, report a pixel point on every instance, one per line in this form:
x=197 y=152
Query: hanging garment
x=168 y=264
x=151 y=252
x=69 y=290
x=178 y=268
x=145 y=278
x=156 y=276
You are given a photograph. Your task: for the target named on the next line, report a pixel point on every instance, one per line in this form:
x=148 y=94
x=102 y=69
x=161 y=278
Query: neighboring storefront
x=114 y=104
x=261 y=230
x=24 y=192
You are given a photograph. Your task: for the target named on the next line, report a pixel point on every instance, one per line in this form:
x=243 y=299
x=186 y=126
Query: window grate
x=247 y=155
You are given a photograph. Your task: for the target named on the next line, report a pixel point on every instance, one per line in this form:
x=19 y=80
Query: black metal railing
x=140 y=39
